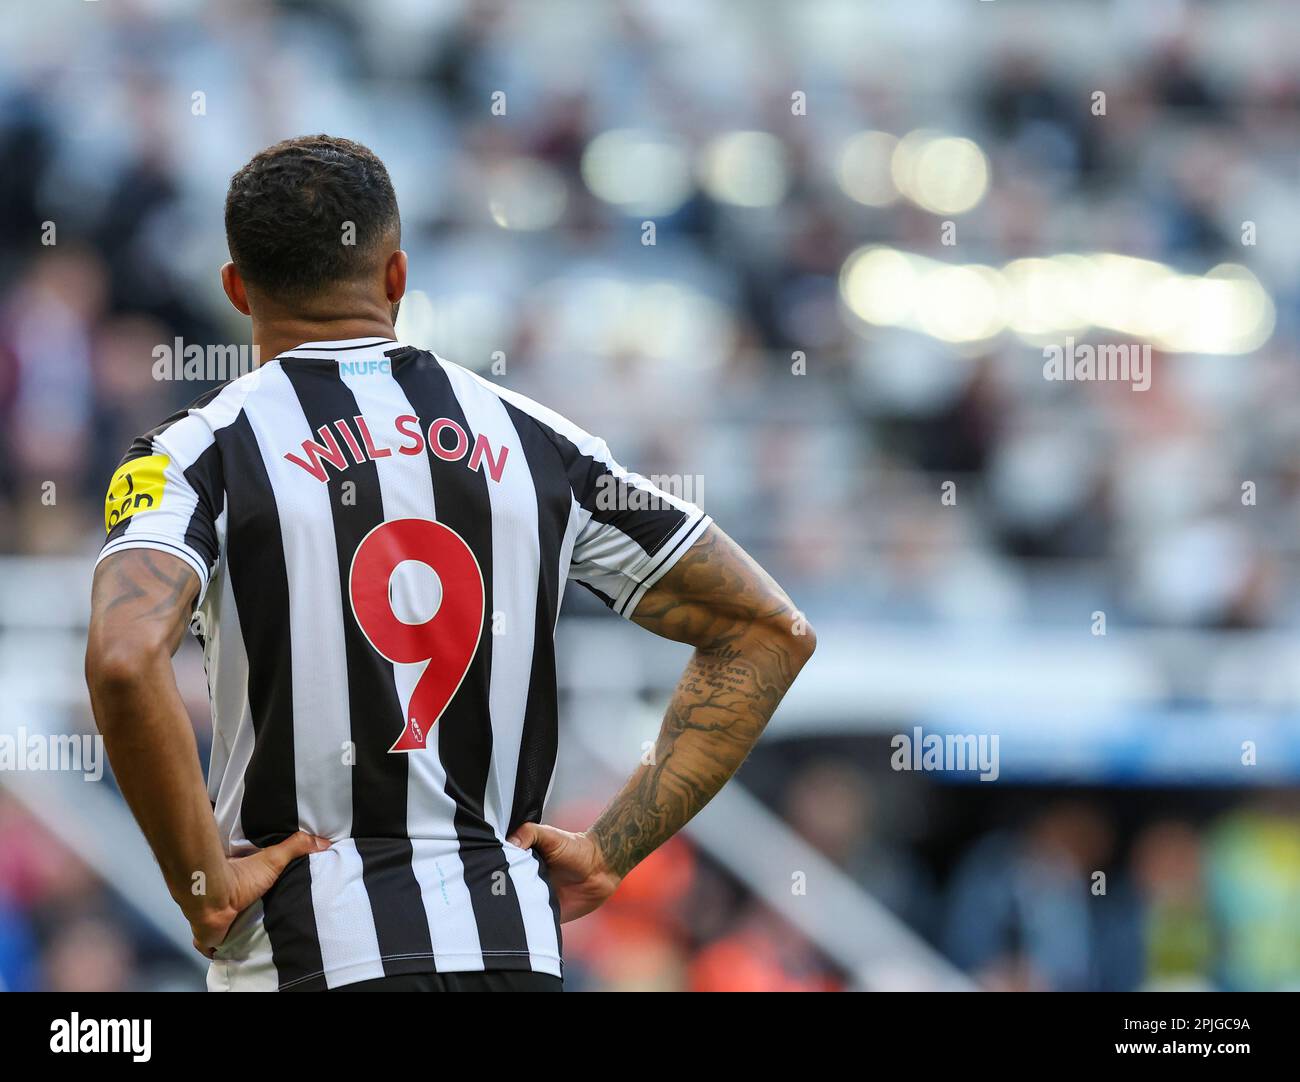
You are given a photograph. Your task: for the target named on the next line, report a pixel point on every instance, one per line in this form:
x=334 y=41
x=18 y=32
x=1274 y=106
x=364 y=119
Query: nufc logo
x=137 y=486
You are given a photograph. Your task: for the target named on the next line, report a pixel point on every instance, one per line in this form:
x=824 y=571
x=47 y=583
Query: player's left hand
x=578 y=872
x=247 y=879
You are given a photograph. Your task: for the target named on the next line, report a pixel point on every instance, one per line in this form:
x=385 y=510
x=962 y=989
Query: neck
x=280 y=334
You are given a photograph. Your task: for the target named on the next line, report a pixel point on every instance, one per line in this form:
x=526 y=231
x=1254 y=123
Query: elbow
x=114 y=679
x=794 y=636
x=109 y=671
x=117 y=668
x=803 y=641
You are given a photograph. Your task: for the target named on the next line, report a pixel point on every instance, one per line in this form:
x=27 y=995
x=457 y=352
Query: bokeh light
x=638 y=171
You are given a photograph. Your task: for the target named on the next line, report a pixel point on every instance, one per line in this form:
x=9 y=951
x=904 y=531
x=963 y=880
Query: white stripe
x=577 y=519
x=244 y=962
x=233 y=735
x=321 y=709
x=516 y=563
x=322 y=730
x=515 y=566
x=194 y=433
x=187 y=439
x=345 y=922
x=566 y=557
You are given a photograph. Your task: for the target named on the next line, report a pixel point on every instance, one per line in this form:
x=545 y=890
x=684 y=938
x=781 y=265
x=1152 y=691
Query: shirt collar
x=342 y=346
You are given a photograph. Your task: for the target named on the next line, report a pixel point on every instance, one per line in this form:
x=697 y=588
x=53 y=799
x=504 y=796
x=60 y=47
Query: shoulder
x=555 y=426
x=192 y=428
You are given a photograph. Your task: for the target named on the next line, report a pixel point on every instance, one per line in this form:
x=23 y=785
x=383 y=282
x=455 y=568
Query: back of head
x=308 y=215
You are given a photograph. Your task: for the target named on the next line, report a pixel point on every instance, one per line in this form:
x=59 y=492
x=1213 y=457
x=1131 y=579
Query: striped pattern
x=272 y=484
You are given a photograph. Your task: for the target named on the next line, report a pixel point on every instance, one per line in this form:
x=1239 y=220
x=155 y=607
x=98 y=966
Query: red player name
x=348 y=442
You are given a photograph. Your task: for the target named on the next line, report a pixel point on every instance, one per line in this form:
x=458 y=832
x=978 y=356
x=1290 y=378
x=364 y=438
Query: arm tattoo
x=746 y=658
x=146 y=587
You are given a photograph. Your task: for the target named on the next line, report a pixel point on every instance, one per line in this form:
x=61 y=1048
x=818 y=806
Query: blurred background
x=869 y=220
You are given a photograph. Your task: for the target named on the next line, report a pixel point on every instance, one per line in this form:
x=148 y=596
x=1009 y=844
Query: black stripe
x=461 y=502
x=539 y=741
x=608 y=601
x=595 y=486
x=269 y=812
x=540 y=738
x=380 y=780
x=289 y=917
x=119 y=528
x=205 y=477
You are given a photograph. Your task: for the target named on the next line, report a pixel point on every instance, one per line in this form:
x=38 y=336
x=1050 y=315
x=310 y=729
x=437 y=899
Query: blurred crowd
x=724 y=351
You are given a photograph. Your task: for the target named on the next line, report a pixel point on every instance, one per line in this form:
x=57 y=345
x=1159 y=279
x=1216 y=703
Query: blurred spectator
x=1179 y=934
x=1023 y=914
x=1254 y=876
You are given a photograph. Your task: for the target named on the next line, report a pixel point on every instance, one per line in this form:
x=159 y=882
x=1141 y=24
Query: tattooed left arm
x=140 y=606
x=750 y=643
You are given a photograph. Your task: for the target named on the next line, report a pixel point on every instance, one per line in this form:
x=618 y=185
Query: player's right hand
x=247 y=879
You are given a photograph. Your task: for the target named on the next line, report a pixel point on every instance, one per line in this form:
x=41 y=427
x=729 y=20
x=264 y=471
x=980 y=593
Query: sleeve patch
x=136 y=486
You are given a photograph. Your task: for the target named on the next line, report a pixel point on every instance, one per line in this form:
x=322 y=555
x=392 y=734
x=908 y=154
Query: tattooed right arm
x=140 y=606
x=750 y=643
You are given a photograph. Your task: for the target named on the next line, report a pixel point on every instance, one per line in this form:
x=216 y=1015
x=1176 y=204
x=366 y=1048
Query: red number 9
x=447 y=641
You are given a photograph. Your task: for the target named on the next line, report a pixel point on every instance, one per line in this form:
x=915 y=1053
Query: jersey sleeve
x=632 y=531
x=165 y=496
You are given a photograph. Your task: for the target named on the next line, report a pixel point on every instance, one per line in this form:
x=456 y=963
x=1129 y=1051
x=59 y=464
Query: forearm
x=717 y=713
x=151 y=746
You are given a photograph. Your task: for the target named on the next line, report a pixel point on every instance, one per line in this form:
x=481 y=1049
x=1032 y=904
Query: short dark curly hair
x=288 y=209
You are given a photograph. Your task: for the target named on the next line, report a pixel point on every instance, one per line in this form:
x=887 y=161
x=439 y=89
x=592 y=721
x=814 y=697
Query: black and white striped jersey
x=382 y=539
